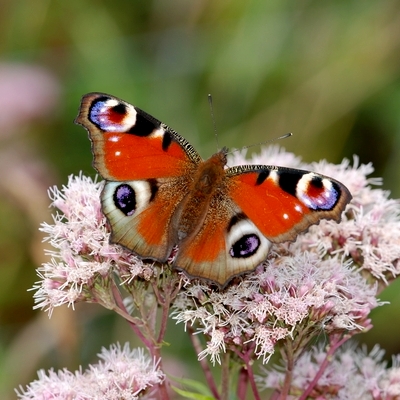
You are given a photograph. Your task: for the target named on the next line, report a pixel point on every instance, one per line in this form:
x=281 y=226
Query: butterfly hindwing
x=226 y=245
x=257 y=206
x=141 y=219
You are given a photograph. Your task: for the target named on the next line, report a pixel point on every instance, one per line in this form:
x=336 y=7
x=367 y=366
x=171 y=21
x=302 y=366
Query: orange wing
x=257 y=206
x=282 y=201
x=227 y=244
x=129 y=144
x=142 y=220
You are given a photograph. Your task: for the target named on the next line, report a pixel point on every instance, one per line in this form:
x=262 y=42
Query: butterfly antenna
x=210 y=103
x=286 y=135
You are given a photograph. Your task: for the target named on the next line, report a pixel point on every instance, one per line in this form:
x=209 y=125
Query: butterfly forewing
x=128 y=143
x=286 y=201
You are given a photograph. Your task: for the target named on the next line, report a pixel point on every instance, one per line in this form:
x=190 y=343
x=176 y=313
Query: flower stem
x=204 y=364
x=243 y=382
x=225 y=376
x=170 y=290
x=335 y=342
x=246 y=356
x=134 y=323
x=289 y=369
x=252 y=381
x=147 y=340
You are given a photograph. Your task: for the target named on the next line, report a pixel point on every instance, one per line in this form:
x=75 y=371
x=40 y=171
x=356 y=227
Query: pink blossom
x=121 y=374
x=352 y=374
x=327 y=279
x=26 y=92
x=82 y=252
x=307 y=291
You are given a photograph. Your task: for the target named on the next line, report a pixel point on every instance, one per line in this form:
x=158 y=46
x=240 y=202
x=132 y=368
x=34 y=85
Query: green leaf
x=200 y=390
x=191 y=395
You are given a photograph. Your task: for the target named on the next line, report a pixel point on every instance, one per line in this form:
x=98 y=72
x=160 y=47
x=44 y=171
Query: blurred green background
x=328 y=71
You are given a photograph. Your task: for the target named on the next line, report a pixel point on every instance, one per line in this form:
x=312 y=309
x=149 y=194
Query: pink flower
x=351 y=374
x=82 y=252
x=298 y=293
x=314 y=281
x=327 y=279
x=122 y=374
x=26 y=92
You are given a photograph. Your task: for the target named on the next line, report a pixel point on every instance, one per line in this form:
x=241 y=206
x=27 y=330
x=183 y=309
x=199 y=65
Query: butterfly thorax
x=207 y=180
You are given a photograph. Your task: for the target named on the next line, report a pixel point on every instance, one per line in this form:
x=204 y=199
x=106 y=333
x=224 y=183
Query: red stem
x=247 y=358
x=335 y=343
x=152 y=347
x=288 y=357
x=243 y=382
x=133 y=322
x=203 y=363
x=225 y=376
x=170 y=293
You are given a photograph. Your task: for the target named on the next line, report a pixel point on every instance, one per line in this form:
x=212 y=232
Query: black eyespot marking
x=316 y=182
x=246 y=246
x=153 y=188
x=262 y=176
x=235 y=219
x=125 y=199
x=167 y=140
x=145 y=124
x=120 y=108
x=101 y=99
x=288 y=181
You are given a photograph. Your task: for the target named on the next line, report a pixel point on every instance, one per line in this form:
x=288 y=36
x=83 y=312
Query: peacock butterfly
x=160 y=193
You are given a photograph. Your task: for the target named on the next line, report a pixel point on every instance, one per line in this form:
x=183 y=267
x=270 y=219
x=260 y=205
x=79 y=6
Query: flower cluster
x=27 y=92
x=325 y=281
x=288 y=297
x=83 y=258
x=309 y=285
x=369 y=233
x=370 y=376
x=121 y=374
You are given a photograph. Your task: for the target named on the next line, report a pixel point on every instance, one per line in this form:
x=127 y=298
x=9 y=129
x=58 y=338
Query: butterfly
x=159 y=193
